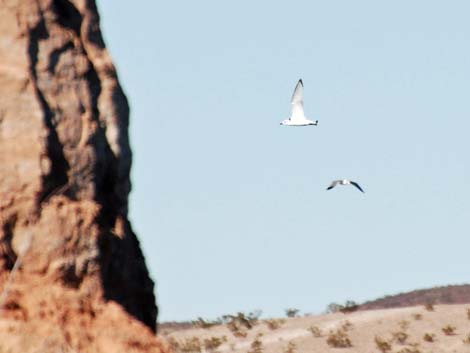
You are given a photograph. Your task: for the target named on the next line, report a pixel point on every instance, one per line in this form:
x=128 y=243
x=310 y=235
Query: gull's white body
x=344 y=182
x=298 y=117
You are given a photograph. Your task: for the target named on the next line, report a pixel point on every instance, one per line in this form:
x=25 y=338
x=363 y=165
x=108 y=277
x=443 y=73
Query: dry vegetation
x=429 y=307
x=400 y=337
x=240 y=323
x=466 y=340
x=349 y=306
x=256 y=345
x=404 y=325
x=339 y=338
x=315 y=331
x=406 y=330
x=410 y=349
x=382 y=345
x=190 y=345
x=429 y=337
x=213 y=343
x=449 y=330
x=346 y=325
x=200 y=322
x=291 y=312
x=291 y=347
x=274 y=324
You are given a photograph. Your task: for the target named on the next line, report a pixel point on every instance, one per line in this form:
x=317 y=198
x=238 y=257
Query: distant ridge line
x=451 y=294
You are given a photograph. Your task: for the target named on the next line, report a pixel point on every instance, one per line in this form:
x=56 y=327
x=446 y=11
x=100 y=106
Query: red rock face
x=64 y=173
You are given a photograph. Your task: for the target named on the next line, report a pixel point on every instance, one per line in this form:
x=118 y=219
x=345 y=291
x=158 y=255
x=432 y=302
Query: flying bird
x=344 y=182
x=297 y=117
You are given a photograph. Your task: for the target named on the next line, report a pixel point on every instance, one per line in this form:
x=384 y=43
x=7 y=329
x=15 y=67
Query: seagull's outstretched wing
x=298 y=102
x=333 y=184
x=356 y=185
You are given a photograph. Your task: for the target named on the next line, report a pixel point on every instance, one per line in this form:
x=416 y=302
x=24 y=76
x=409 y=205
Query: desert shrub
x=429 y=307
x=466 y=340
x=315 y=330
x=237 y=331
x=404 y=324
x=414 y=349
x=400 y=337
x=247 y=320
x=213 y=343
x=468 y=313
x=338 y=339
x=347 y=325
x=238 y=324
x=274 y=324
x=333 y=308
x=202 y=323
x=429 y=337
x=417 y=316
x=291 y=347
x=190 y=345
x=448 y=330
x=382 y=345
x=256 y=345
x=173 y=343
x=348 y=307
x=291 y=312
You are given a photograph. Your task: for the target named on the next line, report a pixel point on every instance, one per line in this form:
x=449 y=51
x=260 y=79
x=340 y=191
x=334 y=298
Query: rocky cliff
x=70 y=265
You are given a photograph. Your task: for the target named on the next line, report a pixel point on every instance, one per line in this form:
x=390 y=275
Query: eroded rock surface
x=64 y=179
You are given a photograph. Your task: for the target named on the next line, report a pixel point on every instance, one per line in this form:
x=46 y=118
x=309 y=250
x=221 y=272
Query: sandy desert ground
x=391 y=330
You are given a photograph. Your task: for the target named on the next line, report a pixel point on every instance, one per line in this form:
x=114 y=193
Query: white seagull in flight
x=297 y=117
x=344 y=182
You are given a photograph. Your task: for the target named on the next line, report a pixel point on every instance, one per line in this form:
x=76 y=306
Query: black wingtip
x=329 y=188
x=357 y=186
x=300 y=80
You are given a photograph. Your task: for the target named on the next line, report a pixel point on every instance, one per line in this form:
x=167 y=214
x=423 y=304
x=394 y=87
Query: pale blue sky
x=231 y=208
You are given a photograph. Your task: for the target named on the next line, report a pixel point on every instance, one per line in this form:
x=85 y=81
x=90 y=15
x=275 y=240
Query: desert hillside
x=440 y=328
x=453 y=294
